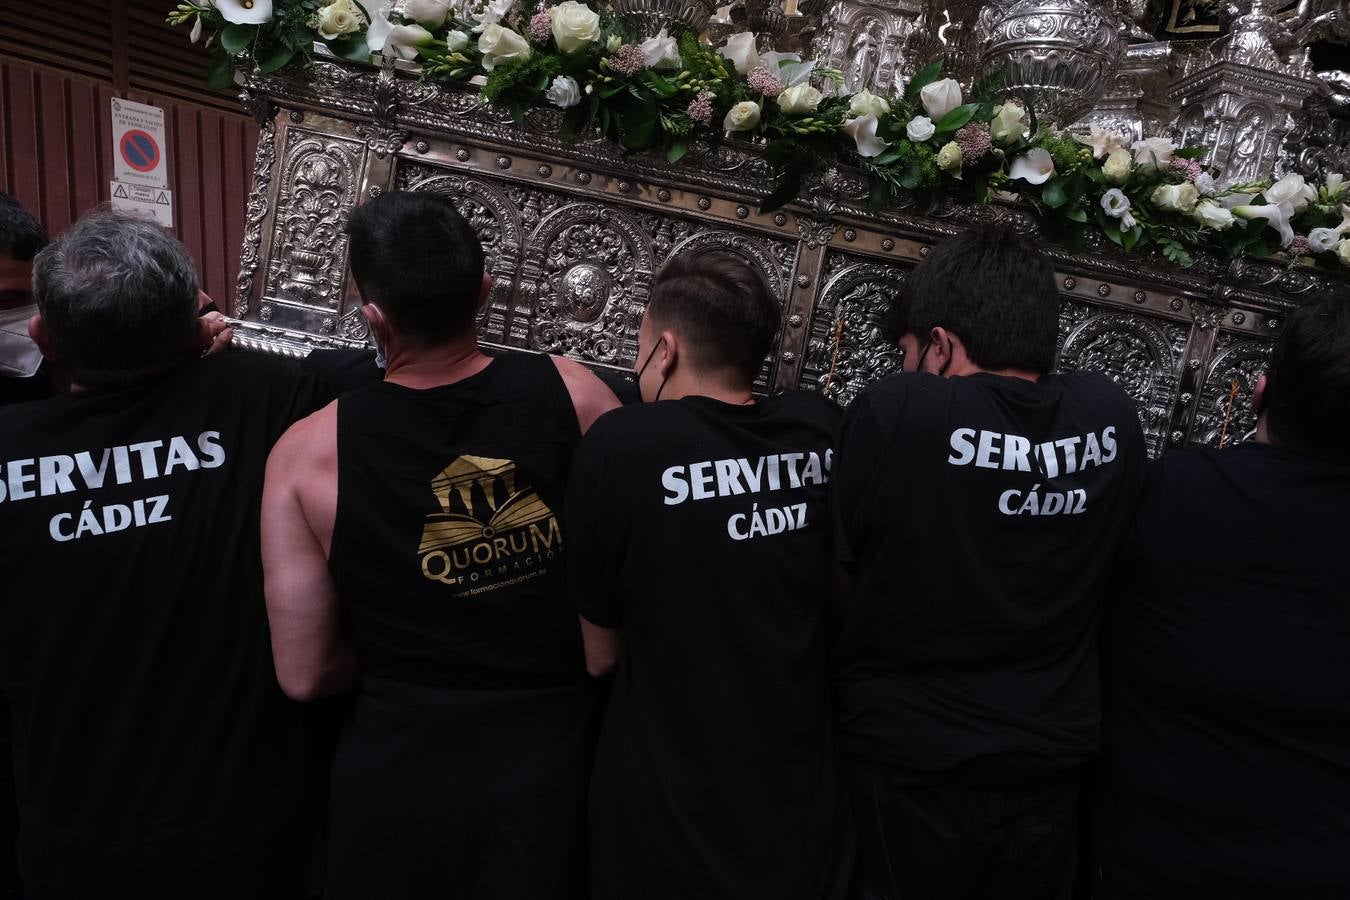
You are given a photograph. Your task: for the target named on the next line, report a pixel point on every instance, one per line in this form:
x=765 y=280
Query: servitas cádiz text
x=734 y=477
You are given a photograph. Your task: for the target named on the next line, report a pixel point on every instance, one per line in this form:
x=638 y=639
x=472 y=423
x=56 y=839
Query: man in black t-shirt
x=980 y=502
x=699 y=558
x=1225 y=769
x=155 y=755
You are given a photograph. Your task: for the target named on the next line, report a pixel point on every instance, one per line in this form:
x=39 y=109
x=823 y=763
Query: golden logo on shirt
x=491 y=528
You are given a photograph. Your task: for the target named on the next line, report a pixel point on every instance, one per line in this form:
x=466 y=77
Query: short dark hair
x=417 y=257
x=118 y=299
x=895 y=321
x=1307 y=401
x=995 y=291
x=21 y=237
x=721 y=306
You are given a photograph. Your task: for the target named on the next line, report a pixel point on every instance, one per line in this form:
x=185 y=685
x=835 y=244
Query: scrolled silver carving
x=255 y=210
x=847 y=348
x=1227 y=392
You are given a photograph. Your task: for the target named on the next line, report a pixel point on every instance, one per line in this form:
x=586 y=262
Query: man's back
x=980 y=515
x=150 y=735
x=700 y=529
x=1226 y=768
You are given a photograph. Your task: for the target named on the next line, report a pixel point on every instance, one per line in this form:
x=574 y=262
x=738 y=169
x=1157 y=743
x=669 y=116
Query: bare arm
x=602 y=647
x=591 y=396
x=312 y=657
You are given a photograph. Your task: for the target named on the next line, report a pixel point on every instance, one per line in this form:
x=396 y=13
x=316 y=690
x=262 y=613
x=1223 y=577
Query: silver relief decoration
x=1224 y=413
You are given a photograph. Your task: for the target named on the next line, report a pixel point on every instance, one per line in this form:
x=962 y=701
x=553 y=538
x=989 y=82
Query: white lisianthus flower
x=564 y=92
x=740 y=49
x=1320 y=240
x=1175 y=197
x=800 y=98
x=1010 y=123
x=661 y=51
x=863 y=130
x=866 y=103
x=574 y=25
x=1119 y=166
x=501 y=45
x=744 y=116
x=1275 y=214
x=405 y=40
x=1102 y=141
x=1036 y=166
x=920 y=129
x=1211 y=214
x=431 y=13
x=1154 y=152
x=940 y=98
x=950 y=158
x=1115 y=204
x=1291 y=190
x=338 y=18
x=1204 y=183
x=456 y=41
x=1127 y=222
x=493 y=14
x=1343 y=252
x=244 y=12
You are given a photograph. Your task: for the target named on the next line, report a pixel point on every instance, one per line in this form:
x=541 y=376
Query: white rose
x=338 y=18
x=940 y=98
x=866 y=103
x=740 y=49
x=950 y=157
x=1036 y=166
x=244 y=12
x=800 y=98
x=1115 y=204
x=1293 y=190
x=1102 y=141
x=1211 y=214
x=1010 y=123
x=574 y=25
x=431 y=13
x=1154 y=152
x=564 y=92
x=1175 y=197
x=744 y=116
x=456 y=41
x=405 y=40
x=1343 y=252
x=1118 y=166
x=920 y=129
x=501 y=45
x=661 y=51
x=863 y=130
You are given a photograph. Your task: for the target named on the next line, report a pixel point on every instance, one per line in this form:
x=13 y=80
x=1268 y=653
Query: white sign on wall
x=155 y=202
x=138 y=143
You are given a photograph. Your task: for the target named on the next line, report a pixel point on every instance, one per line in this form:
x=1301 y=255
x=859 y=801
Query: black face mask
x=638 y=374
x=928 y=345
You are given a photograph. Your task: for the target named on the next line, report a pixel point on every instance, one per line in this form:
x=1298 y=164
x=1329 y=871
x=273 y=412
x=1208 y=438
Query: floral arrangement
x=664 y=91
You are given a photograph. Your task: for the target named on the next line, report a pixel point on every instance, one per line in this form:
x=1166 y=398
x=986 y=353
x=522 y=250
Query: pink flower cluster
x=701 y=108
x=1188 y=167
x=1298 y=246
x=974 y=142
x=765 y=82
x=628 y=60
x=541 y=26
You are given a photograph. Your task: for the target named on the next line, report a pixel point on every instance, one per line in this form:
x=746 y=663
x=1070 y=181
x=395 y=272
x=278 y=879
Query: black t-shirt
x=979 y=516
x=153 y=750
x=1226 y=761
x=38 y=386
x=701 y=530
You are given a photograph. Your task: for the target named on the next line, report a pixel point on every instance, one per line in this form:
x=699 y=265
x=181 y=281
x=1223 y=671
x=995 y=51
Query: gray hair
x=118 y=298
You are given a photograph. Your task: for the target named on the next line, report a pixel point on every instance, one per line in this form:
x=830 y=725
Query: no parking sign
x=138 y=160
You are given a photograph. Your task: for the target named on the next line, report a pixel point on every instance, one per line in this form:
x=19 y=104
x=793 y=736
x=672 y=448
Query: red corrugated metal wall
x=55 y=155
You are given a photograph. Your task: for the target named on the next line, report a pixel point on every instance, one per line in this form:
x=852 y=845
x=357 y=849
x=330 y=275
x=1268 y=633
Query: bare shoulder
x=591 y=397
x=307 y=447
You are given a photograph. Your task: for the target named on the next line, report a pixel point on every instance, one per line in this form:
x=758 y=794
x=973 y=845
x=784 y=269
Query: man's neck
x=695 y=385
x=427 y=367
x=1024 y=374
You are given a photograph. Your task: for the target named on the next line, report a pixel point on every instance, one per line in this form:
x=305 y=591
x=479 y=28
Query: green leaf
x=1190 y=152
x=1052 y=195
x=1076 y=215
x=274 y=58
x=1132 y=237
x=659 y=83
x=912 y=177
x=957 y=117
x=887 y=158
x=237 y=38
x=784 y=192
x=220 y=71
x=352 y=46
x=924 y=77
x=609 y=90
x=881 y=194
x=1095 y=174
x=677 y=151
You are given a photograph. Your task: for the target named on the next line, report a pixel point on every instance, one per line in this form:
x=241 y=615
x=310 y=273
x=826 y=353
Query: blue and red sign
x=139 y=150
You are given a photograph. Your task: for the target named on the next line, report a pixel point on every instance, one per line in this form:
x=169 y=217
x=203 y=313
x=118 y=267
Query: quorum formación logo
x=491 y=526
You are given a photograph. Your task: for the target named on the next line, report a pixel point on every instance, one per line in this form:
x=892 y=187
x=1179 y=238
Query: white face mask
x=19 y=356
x=380 y=359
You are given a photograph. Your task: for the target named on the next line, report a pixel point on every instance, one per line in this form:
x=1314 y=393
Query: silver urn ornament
x=644 y=18
x=1056 y=54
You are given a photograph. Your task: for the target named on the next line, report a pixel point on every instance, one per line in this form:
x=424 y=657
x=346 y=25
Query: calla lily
x=1276 y=215
x=245 y=12
x=196 y=34
x=1035 y=166
x=1333 y=187
x=863 y=130
x=405 y=40
x=740 y=49
x=787 y=67
x=380 y=26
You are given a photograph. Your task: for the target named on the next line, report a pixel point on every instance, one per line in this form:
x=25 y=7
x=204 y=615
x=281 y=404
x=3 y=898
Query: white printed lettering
x=963 y=446
x=671 y=480
x=54 y=475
